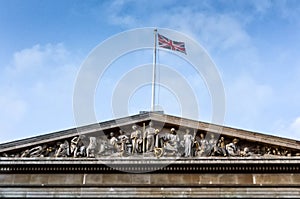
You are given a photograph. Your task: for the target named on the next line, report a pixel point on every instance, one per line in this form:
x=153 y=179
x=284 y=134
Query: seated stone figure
x=202 y=148
x=63 y=149
x=246 y=152
x=114 y=143
x=171 y=141
x=124 y=141
x=233 y=148
x=102 y=143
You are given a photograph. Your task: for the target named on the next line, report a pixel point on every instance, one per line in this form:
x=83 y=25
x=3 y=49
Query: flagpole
x=154 y=72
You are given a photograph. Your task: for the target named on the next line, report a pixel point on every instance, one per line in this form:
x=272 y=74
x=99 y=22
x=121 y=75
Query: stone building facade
x=151 y=155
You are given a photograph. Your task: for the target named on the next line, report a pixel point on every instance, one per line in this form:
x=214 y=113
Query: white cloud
x=39 y=56
x=117 y=17
x=247 y=99
x=36 y=91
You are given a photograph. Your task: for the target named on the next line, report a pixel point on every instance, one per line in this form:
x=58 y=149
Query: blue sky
x=254 y=44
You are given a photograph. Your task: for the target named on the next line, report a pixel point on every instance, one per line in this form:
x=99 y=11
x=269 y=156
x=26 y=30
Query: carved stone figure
x=150 y=132
x=221 y=147
x=158 y=148
x=90 y=150
x=115 y=145
x=172 y=140
x=136 y=140
x=25 y=153
x=212 y=145
x=246 y=152
x=63 y=149
x=232 y=148
x=202 y=146
x=164 y=144
x=77 y=147
x=49 y=152
x=286 y=152
x=103 y=145
x=124 y=140
x=38 y=151
x=187 y=141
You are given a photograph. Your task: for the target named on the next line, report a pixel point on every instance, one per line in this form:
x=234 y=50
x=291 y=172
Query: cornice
x=201 y=165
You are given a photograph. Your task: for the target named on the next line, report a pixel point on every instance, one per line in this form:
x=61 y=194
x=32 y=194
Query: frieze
x=149 y=141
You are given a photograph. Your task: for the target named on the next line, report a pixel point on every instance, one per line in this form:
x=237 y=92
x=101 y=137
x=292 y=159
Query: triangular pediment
x=115 y=138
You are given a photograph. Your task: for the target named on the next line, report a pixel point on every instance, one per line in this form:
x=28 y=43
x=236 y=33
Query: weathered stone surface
x=93 y=179
x=65 y=179
x=40 y=179
x=6 y=178
x=150 y=179
x=21 y=179
x=141 y=179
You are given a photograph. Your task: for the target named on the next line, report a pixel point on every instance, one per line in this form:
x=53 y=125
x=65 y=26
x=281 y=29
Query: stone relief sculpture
x=233 y=148
x=159 y=144
x=171 y=142
x=102 y=145
x=90 y=150
x=201 y=145
x=38 y=151
x=63 y=149
x=187 y=142
x=221 y=147
x=149 y=134
x=151 y=142
x=136 y=139
x=78 y=149
x=124 y=141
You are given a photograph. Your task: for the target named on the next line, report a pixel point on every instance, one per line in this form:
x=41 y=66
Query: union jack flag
x=164 y=42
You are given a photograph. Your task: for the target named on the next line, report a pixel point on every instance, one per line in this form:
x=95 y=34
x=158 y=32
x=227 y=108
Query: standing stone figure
x=90 y=150
x=188 y=141
x=221 y=147
x=136 y=139
x=150 y=133
x=212 y=145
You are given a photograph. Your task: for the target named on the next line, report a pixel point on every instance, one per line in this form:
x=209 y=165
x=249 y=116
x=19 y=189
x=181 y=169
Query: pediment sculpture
x=148 y=141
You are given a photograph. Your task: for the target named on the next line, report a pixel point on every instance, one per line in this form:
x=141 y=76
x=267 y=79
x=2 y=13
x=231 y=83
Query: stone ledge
x=151 y=192
x=85 y=165
x=139 y=180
